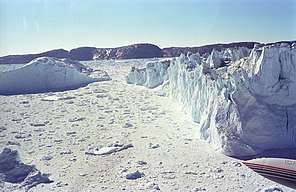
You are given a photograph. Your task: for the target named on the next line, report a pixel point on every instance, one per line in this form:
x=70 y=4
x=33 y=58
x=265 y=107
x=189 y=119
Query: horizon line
x=91 y=46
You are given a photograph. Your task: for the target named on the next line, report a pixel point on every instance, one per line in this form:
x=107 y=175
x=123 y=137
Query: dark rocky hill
x=19 y=59
x=82 y=53
x=135 y=51
x=176 y=51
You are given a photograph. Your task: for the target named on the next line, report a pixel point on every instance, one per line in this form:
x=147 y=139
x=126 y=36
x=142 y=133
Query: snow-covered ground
x=62 y=132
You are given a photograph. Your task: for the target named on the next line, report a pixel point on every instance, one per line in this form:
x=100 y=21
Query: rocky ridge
x=91 y=53
x=136 y=51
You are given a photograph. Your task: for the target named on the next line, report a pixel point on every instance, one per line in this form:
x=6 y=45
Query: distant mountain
x=82 y=53
x=135 y=51
x=176 y=51
x=19 y=59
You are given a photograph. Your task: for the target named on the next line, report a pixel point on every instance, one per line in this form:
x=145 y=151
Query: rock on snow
x=48 y=74
x=23 y=177
x=243 y=100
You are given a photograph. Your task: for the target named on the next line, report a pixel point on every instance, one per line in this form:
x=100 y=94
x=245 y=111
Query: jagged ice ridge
x=244 y=101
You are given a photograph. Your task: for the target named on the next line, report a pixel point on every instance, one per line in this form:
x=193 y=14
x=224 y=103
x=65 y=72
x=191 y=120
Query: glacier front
x=244 y=101
x=48 y=74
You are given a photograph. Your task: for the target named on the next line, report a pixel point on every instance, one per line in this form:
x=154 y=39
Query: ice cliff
x=48 y=74
x=152 y=76
x=244 y=101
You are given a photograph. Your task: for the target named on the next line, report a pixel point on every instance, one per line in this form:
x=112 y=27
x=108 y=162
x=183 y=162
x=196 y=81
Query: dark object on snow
x=134 y=175
x=12 y=170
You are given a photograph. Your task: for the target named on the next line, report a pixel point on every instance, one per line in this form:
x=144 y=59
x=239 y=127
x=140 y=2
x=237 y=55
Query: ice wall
x=243 y=105
x=47 y=74
x=152 y=76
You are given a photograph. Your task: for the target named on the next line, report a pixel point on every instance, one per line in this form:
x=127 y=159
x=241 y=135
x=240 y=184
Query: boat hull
x=282 y=171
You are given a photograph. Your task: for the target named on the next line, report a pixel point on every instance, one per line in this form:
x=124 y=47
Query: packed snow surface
x=243 y=100
x=48 y=74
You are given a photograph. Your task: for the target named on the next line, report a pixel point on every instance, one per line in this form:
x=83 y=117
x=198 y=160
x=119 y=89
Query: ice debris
x=107 y=150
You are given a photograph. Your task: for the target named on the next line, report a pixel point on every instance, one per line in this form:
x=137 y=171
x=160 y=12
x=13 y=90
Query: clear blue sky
x=32 y=26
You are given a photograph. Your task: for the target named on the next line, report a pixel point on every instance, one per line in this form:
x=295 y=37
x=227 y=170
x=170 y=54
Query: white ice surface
x=43 y=75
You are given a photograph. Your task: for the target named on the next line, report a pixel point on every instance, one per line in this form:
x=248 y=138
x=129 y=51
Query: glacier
x=243 y=100
x=46 y=74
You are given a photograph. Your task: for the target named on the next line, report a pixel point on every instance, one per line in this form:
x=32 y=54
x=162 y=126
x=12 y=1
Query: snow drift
x=244 y=101
x=48 y=74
